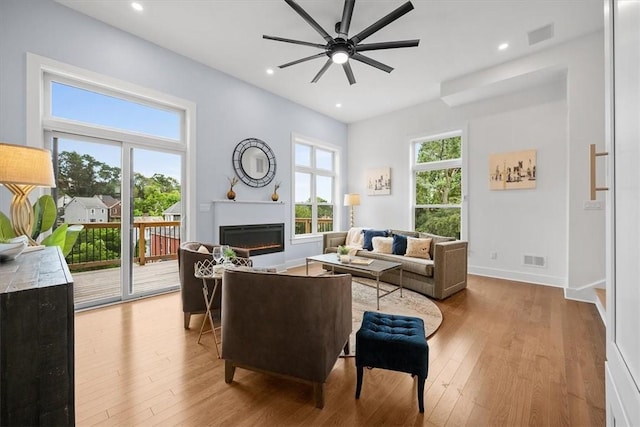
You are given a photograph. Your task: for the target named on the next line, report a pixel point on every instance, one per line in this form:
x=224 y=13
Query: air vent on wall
x=540 y=35
x=535 y=261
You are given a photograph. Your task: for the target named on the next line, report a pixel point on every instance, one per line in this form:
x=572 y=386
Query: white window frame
x=460 y=162
x=313 y=171
x=40 y=71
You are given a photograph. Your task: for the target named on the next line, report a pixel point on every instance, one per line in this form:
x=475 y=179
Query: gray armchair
x=190 y=286
x=294 y=326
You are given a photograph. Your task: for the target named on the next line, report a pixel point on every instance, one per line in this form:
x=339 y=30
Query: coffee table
x=376 y=269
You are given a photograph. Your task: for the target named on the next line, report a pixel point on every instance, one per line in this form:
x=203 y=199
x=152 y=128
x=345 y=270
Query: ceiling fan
x=342 y=48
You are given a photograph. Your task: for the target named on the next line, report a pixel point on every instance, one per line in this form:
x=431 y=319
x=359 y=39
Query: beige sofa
x=293 y=326
x=441 y=276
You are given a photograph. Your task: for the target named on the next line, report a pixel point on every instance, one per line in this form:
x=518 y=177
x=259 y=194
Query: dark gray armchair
x=294 y=326
x=190 y=286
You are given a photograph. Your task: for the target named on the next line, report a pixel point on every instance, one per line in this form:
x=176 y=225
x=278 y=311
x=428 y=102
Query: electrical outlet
x=493 y=255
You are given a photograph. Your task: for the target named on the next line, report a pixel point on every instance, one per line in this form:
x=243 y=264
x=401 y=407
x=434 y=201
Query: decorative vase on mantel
x=275 y=196
x=231 y=195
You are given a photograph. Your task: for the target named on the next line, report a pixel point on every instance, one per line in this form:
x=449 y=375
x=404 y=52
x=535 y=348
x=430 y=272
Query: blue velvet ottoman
x=397 y=343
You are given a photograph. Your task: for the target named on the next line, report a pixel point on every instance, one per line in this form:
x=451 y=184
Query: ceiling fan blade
x=347 y=70
x=372 y=62
x=280 y=39
x=345 y=22
x=295 y=6
x=381 y=23
x=324 y=68
x=387 y=45
x=308 y=58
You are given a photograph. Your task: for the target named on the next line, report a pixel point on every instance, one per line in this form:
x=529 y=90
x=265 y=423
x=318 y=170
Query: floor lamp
x=351 y=200
x=22 y=169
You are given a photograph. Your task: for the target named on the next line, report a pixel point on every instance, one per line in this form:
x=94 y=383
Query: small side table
x=206 y=271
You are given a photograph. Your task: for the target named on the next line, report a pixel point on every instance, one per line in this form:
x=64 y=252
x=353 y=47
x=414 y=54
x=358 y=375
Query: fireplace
x=259 y=239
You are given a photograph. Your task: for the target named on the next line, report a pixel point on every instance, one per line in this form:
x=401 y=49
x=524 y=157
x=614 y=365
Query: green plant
x=229 y=253
x=343 y=250
x=45 y=213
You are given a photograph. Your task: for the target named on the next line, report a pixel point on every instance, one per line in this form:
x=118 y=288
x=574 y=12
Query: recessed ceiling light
x=503 y=46
x=269 y=71
x=137 y=6
x=338 y=105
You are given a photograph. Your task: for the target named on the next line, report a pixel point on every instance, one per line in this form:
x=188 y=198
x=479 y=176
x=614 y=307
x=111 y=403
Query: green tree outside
x=84 y=176
x=439 y=187
x=303 y=216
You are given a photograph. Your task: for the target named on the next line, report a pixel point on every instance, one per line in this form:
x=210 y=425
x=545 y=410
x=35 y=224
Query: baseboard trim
x=601 y=311
x=585 y=293
x=537 y=279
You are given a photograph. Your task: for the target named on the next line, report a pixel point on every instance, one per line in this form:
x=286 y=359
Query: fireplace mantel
x=261 y=202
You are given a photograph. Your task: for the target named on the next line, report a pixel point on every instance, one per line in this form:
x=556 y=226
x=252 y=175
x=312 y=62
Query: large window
x=89 y=106
x=314 y=187
x=437 y=169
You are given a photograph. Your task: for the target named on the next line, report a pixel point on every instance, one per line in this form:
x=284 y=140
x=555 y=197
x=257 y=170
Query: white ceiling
x=456 y=37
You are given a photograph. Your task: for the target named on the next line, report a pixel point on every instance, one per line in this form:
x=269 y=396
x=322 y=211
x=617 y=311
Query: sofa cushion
x=399 y=246
x=407 y=233
x=382 y=244
x=418 y=248
x=415 y=265
x=203 y=249
x=435 y=239
x=369 y=235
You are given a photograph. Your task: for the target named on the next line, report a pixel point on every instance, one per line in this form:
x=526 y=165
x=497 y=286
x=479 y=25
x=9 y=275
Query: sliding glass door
x=129 y=202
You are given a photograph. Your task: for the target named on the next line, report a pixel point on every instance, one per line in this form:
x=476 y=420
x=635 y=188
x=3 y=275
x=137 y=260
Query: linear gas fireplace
x=260 y=239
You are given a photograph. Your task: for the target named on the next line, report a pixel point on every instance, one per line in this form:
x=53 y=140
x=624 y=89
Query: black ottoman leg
x=421 y=381
x=359 y=381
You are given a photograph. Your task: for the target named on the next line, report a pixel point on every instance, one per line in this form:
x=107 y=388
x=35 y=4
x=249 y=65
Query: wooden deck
x=92 y=287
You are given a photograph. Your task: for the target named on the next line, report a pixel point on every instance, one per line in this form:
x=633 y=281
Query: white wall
x=559 y=119
x=228 y=110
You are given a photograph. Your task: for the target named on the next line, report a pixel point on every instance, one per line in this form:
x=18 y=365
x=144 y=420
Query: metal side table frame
x=206 y=270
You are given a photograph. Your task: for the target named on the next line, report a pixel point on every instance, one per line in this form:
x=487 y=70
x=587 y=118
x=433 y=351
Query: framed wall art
x=513 y=171
x=379 y=181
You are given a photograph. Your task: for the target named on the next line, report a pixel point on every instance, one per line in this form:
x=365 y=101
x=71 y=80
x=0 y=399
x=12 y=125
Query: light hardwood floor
x=507 y=353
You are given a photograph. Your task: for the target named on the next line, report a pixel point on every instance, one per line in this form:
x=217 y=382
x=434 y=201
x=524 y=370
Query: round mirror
x=254 y=162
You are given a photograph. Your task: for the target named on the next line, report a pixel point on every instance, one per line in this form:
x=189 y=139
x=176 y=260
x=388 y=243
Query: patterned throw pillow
x=382 y=244
x=418 y=248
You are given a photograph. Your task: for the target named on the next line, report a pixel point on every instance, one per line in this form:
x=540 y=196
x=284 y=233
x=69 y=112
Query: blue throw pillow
x=399 y=246
x=369 y=235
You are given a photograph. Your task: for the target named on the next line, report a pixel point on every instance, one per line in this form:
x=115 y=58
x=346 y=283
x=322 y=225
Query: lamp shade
x=22 y=165
x=352 y=199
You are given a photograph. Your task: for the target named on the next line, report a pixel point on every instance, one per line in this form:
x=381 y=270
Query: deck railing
x=303 y=225
x=98 y=245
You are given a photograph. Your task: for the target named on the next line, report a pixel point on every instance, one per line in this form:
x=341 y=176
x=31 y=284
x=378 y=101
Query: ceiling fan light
x=339 y=57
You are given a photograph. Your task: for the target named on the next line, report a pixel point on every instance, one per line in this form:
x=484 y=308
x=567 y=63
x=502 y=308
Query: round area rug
x=410 y=304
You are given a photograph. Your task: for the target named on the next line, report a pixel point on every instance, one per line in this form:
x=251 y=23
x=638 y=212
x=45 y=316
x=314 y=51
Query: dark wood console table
x=36 y=340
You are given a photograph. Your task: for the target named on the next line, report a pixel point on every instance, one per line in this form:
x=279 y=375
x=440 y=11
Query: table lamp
x=351 y=200
x=22 y=169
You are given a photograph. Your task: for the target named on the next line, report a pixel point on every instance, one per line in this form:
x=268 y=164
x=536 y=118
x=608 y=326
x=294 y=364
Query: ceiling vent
x=540 y=35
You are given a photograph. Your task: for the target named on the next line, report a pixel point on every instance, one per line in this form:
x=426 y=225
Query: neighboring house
x=86 y=209
x=60 y=204
x=161 y=239
x=173 y=212
x=114 y=205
